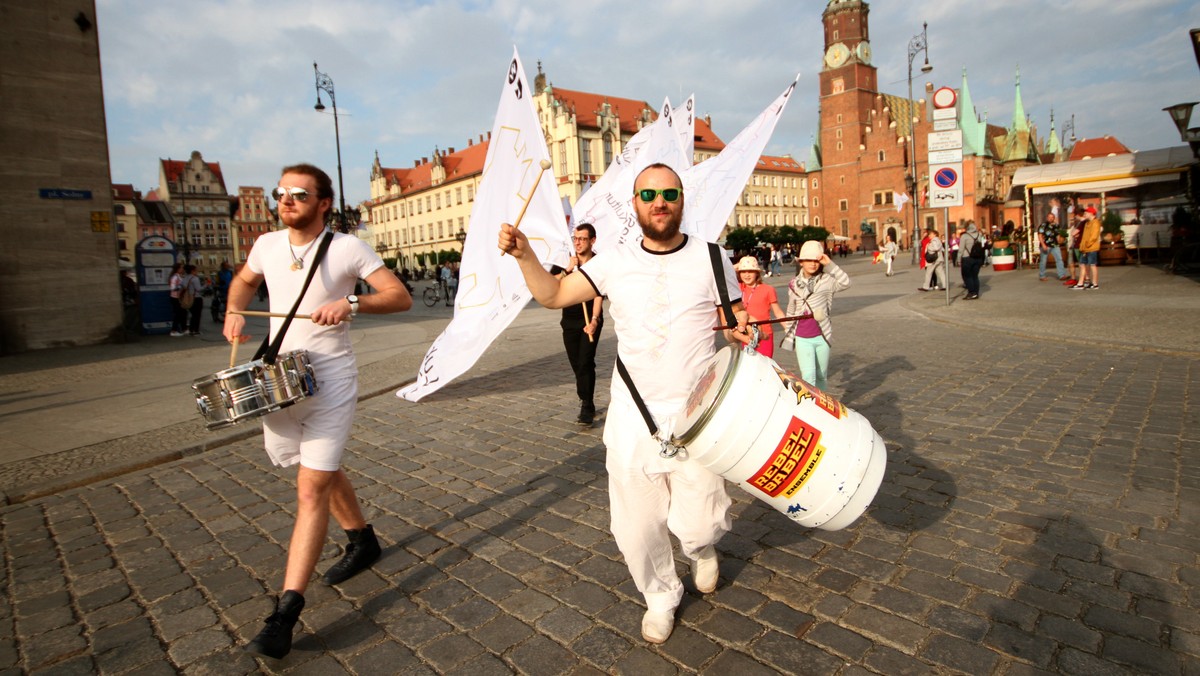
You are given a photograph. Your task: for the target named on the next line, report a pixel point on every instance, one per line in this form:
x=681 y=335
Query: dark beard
x=669 y=231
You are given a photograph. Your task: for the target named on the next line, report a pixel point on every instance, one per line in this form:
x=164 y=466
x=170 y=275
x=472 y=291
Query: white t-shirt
x=348 y=260
x=664 y=308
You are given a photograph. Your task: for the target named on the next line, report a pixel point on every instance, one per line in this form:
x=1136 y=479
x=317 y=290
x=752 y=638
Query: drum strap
x=270 y=348
x=669 y=448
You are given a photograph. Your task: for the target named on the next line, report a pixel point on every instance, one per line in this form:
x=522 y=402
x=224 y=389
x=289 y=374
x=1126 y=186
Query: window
x=754 y=179
x=585 y=155
x=470 y=193
x=816 y=202
x=842 y=180
x=607 y=150
x=438 y=201
x=883 y=198
x=839 y=145
x=814 y=184
x=845 y=228
x=562 y=158
x=839 y=118
x=839 y=86
x=458 y=195
x=843 y=205
x=881 y=157
x=429 y=203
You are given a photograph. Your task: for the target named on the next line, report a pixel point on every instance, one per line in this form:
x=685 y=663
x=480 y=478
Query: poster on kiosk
x=155 y=258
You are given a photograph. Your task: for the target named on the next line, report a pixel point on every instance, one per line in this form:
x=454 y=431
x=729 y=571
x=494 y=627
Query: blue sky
x=234 y=78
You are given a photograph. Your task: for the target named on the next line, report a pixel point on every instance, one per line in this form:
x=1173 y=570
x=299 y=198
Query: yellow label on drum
x=793 y=462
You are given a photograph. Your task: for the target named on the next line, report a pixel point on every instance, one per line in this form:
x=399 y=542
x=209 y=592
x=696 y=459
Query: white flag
x=900 y=199
x=711 y=189
x=491 y=289
x=608 y=205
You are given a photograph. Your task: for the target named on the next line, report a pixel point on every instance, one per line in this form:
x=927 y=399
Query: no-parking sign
x=945 y=185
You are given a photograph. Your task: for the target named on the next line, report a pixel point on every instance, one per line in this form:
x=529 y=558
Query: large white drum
x=782 y=440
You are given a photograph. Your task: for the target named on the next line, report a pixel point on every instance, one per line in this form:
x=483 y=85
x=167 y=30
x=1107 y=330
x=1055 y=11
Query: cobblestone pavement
x=1039 y=514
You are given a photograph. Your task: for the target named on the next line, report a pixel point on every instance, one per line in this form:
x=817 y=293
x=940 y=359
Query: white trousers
x=651 y=497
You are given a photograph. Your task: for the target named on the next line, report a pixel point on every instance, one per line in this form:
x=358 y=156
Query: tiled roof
x=465 y=162
x=784 y=164
x=706 y=138
x=173 y=168
x=1104 y=146
x=124 y=191
x=586 y=106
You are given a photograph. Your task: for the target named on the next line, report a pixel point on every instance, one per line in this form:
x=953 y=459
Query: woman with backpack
x=810 y=297
x=975 y=249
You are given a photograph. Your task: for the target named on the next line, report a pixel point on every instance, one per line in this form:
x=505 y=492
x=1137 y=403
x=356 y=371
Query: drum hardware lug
x=671 y=449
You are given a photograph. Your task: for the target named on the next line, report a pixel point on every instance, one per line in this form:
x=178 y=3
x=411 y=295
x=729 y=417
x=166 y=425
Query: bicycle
x=432 y=295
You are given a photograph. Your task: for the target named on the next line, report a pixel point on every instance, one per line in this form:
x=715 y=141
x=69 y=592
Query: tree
x=816 y=232
x=770 y=235
x=741 y=240
x=789 y=235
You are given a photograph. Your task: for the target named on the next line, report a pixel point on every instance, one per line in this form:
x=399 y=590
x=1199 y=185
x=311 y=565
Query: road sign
x=945 y=113
x=945 y=156
x=945 y=97
x=943 y=125
x=945 y=140
x=945 y=188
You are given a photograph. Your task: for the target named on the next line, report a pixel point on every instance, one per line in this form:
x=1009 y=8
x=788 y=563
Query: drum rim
x=706 y=417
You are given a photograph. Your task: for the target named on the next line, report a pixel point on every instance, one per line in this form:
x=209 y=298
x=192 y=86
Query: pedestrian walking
x=810 y=297
x=313 y=432
x=663 y=296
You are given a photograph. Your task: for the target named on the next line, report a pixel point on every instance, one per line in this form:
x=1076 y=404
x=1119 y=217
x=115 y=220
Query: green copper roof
x=1052 y=146
x=1019 y=121
x=974 y=131
x=814 y=158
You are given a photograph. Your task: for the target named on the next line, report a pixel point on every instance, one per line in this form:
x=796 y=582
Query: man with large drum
x=663 y=300
x=314 y=431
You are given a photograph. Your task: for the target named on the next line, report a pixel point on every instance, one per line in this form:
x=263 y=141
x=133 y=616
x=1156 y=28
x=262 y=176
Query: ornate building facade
x=252 y=219
x=195 y=192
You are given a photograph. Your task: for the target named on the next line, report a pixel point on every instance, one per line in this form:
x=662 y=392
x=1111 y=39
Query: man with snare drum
x=663 y=301
x=313 y=432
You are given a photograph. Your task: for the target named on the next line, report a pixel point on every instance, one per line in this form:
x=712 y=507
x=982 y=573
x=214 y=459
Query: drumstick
x=584 y=305
x=260 y=313
x=233 y=354
x=764 y=321
x=543 y=166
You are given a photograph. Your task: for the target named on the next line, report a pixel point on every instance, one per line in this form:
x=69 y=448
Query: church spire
x=1019 y=121
x=974 y=131
x=1052 y=145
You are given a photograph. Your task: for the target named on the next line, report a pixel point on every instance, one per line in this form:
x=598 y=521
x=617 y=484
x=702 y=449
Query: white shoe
x=176 y=334
x=657 y=625
x=705 y=570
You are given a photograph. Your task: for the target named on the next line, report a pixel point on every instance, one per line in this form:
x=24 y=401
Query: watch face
x=864 y=52
x=836 y=55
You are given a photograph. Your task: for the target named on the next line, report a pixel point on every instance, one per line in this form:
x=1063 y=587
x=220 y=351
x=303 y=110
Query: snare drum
x=782 y=440
x=254 y=389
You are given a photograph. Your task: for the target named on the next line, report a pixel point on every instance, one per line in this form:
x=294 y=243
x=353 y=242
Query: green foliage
x=448 y=256
x=816 y=232
x=769 y=235
x=741 y=240
x=788 y=235
x=1110 y=223
x=390 y=263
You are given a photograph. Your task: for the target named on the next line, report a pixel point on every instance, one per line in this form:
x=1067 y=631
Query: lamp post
x=1181 y=114
x=324 y=82
x=919 y=43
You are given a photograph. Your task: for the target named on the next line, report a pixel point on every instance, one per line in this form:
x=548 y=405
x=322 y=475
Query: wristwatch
x=353 y=300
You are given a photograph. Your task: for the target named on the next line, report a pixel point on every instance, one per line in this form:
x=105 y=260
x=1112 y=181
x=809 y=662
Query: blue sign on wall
x=64 y=194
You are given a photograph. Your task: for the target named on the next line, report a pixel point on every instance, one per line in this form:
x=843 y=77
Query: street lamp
x=1181 y=114
x=918 y=43
x=324 y=82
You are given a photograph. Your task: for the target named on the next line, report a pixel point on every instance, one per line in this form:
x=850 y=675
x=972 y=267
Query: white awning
x=1104 y=174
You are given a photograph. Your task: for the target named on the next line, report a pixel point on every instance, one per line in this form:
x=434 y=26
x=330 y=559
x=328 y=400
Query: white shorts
x=314 y=430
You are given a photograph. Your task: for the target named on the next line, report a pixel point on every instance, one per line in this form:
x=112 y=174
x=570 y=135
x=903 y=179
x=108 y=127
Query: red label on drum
x=793 y=462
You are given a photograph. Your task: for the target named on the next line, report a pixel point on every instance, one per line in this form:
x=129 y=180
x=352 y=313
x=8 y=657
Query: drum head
x=708 y=391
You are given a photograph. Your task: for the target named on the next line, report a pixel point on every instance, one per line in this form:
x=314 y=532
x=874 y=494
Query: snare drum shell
x=254 y=389
x=784 y=442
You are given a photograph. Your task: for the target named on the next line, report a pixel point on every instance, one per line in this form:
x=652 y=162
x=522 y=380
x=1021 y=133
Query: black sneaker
x=587 y=414
x=362 y=551
x=275 y=639
x=1093 y=287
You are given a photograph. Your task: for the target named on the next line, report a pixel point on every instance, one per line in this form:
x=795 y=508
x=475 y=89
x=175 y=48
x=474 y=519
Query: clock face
x=836 y=55
x=864 y=52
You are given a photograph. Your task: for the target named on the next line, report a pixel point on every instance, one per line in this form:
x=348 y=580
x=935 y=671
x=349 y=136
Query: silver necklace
x=298 y=261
